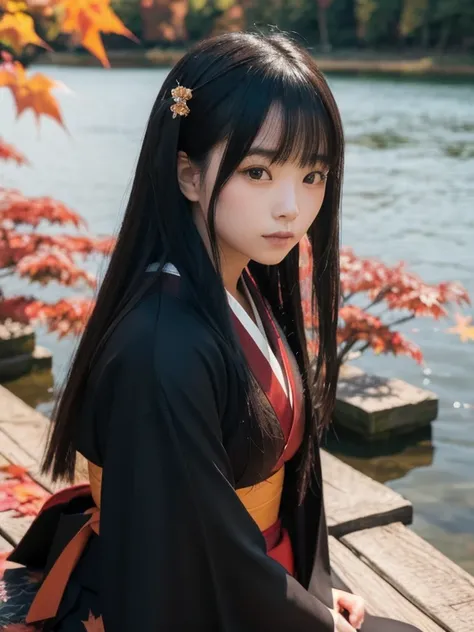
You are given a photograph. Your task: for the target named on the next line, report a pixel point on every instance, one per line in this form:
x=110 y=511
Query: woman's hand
x=340 y=624
x=354 y=604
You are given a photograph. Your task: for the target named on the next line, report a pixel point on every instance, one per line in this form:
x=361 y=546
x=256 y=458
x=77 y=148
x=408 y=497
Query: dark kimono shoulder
x=177 y=549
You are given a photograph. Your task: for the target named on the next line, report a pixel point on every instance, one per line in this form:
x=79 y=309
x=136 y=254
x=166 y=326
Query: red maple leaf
x=46 y=265
x=8 y=152
x=67 y=316
x=19 y=492
x=17 y=209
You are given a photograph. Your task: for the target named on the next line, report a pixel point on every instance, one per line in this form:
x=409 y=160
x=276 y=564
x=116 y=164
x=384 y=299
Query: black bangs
x=290 y=105
x=308 y=136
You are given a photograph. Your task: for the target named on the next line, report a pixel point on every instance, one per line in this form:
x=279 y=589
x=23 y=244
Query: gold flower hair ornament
x=180 y=95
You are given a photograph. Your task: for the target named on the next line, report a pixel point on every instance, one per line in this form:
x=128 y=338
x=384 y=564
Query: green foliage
x=378 y=21
x=415 y=13
x=365 y=10
x=202 y=15
x=196 y=6
x=444 y=24
x=223 y=5
x=129 y=12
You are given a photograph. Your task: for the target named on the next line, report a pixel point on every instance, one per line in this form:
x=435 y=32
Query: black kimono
x=177 y=550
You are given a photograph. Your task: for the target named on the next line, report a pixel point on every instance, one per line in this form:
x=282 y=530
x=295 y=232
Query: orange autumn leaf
x=464 y=327
x=34 y=93
x=93 y=624
x=25 y=492
x=16 y=471
x=12 y=6
x=17 y=30
x=30 y=92
x=87 y=19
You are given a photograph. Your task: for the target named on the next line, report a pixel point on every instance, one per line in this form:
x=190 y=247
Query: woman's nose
x=287 y=206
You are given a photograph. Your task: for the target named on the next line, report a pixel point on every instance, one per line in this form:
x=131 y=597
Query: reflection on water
x=408 y=195
x=36 y=389
x=385 y=460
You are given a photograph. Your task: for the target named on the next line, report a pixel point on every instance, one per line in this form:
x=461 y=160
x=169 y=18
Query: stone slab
x=377 y=407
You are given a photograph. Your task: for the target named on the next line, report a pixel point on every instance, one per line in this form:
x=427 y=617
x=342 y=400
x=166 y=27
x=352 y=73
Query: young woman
x=191 y=394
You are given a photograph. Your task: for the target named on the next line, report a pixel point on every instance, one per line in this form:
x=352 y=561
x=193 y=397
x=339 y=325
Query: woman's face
x=264 y=210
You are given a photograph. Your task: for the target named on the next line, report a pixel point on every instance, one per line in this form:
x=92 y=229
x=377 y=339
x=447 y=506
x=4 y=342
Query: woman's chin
x=271 y=256
x=269 y=259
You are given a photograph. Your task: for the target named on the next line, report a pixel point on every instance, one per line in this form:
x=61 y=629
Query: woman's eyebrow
x=271 y=153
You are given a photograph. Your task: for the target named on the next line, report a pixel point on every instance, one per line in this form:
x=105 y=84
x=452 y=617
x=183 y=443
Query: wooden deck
x=399 y=574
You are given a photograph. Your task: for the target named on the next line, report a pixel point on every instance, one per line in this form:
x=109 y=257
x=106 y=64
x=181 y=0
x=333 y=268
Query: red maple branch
x=399 y=290
x=67 y=316
x=8 y=152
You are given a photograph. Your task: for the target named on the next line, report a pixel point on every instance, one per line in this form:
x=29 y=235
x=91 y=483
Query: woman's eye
x=255 y=173
x=316 y=177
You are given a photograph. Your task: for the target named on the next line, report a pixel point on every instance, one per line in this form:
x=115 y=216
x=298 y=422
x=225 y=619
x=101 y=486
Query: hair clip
x=180 y=95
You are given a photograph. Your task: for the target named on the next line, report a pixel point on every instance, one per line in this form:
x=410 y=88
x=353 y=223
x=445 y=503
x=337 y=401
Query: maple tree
x=391 y=289
x=36 y=256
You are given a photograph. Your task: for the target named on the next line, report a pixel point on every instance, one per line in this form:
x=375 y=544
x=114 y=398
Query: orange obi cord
x=45 y=605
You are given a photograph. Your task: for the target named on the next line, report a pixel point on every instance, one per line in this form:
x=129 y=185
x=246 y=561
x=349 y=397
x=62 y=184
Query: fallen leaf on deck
x=93 y=624
x=19 y=492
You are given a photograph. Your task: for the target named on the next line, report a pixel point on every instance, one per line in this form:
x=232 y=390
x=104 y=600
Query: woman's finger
x=355 y=605
x=342 y=625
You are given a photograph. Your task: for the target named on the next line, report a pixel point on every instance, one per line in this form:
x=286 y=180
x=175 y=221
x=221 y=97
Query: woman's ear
x=188 y=178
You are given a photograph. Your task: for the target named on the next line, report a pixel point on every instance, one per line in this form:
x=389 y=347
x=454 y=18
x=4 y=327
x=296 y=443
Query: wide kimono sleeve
x=179 y=552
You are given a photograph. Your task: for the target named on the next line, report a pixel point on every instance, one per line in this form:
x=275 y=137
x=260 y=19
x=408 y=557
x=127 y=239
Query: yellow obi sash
x=262 y=500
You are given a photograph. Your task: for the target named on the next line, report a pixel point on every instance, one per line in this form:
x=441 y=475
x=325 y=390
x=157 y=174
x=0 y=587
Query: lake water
x=408 y=195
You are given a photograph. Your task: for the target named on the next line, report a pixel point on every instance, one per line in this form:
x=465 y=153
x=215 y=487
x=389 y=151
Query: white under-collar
x=256 y=330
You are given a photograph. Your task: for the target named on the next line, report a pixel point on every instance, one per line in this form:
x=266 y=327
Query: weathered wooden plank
x=376 y=407
x=26 y=426
x=380 y=597
x=12 y=527
x=354 y=501
x=435 y=584
x=5 y=545
x=14 y=453
x=23 y=433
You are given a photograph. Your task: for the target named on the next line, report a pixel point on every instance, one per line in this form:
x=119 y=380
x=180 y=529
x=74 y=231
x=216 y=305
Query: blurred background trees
x=440 y=25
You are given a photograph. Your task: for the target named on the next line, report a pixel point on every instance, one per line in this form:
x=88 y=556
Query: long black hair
x=235 y=79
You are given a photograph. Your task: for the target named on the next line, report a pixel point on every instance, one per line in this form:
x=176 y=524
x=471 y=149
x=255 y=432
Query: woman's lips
x=280 y=238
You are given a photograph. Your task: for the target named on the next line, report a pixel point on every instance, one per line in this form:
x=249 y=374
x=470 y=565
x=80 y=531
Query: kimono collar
x=255 y=330
x=269 y=363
